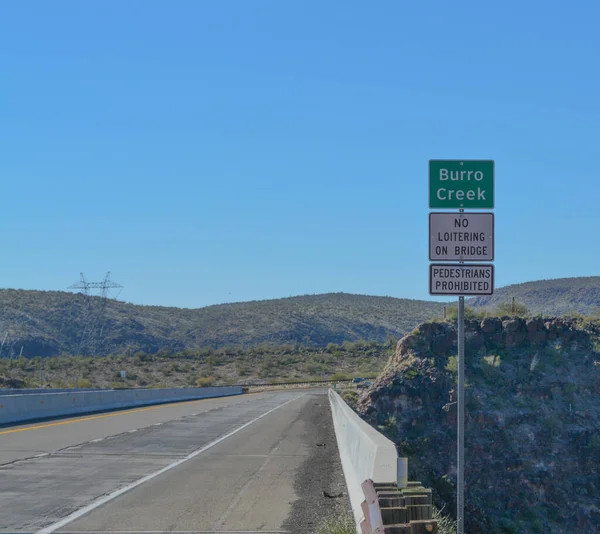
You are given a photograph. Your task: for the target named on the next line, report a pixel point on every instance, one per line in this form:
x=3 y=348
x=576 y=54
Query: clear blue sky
x=219 y=151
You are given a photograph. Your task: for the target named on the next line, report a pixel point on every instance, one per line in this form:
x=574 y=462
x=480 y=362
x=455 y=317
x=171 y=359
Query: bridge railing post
x=402 y=472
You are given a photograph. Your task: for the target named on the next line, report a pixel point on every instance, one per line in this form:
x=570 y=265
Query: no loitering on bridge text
x=464 y=237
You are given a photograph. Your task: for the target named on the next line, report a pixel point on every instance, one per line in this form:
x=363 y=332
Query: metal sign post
x=462 y=237
x=460 y=464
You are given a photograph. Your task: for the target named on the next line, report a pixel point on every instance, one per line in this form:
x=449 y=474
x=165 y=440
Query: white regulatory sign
x=461 y=237
x=453 y=279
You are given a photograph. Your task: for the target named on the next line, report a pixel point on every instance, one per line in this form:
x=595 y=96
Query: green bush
x=446 y=525
x=410 y=374
x=506 y=308
x=350 y=396
x=337 y=524
x=492 y=360
x=314 y=368
x=470 y=313
x=205 y=381
x=452 y=365
x=242 y=369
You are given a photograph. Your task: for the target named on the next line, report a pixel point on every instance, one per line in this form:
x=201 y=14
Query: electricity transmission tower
x=92 y=339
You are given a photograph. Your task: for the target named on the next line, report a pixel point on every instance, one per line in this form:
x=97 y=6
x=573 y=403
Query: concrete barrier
x=29 y=391
x=18 y=408
x=364 y=453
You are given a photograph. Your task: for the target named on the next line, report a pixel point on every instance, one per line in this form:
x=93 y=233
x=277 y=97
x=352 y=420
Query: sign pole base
x=460 y=468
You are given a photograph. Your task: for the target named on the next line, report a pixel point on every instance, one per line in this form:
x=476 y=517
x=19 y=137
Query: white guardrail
x=364 y=453
x=17 y=408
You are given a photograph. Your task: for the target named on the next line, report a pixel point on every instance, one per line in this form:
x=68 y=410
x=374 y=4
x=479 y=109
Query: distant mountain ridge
x=550 y=297
x=47 y=323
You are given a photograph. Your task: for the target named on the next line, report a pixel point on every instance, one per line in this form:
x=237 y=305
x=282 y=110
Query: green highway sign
x=458 y=184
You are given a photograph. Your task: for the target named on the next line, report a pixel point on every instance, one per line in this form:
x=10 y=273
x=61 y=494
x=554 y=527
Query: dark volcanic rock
x=472 y=325
x=430 y=329
x=513 y=325
x=474 y=341
x=515 y=339
x=538 y=337
x=490 y=325
x=532 y=421
x=406 y=345
x=534 y=325
x=444 y=343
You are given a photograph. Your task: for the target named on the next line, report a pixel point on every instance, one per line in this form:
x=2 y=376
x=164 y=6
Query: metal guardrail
x=389 y=509
x=17 y=408
x=34 y=391
x=302 y=383
x=37 y=391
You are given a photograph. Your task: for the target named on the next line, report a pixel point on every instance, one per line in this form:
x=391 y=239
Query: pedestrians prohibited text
x=461 y=184
x=461 y=236
x=452 y=279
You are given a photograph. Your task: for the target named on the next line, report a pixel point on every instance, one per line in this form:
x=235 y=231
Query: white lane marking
x=103 y=500
x=97 y=440
x=177 y=532
x=132 y=431
x=157 y=424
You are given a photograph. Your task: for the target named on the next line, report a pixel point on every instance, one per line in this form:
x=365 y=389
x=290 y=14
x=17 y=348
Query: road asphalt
x=263 y=462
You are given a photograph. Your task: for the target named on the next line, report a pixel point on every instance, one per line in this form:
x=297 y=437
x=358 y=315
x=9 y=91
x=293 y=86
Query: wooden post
x=424 y=527
x=375 y=520
x=419 y=511
x=395 y=515
x=388 y=509
x=389 y=499
x=417 y=499
x=365 y=510
x=398 y=529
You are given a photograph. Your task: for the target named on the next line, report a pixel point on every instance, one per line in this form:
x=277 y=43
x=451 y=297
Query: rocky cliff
x=532 y=422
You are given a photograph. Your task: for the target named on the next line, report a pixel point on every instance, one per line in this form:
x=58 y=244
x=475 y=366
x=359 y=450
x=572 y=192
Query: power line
x=93 y=341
